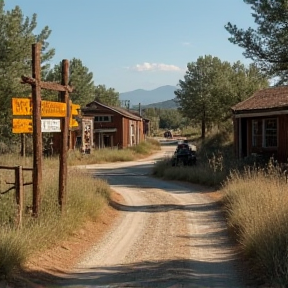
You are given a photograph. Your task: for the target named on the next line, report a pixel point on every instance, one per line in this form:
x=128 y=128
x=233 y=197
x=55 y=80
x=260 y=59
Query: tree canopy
x=106 y=96
x=210 y=87
x=16 y=37
x=266 y=45
x=79 y=78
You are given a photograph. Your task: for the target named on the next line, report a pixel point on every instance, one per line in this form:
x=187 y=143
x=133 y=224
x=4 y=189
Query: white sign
x=50 y=125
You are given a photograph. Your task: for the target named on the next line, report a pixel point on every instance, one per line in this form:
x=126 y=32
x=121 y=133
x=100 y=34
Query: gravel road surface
x=168 y=235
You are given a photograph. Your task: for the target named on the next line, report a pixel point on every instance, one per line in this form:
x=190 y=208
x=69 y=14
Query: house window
x=103 y=118
x=257 y=133
x=264 y=132
x=270 y=137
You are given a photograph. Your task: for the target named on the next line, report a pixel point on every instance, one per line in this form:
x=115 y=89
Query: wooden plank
x=47 y=85
x=19 y=187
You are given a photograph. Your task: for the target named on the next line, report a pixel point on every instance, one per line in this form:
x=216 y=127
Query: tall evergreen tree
x=266 y=45
x=79 y=78
x=16 y=38
x=106 y=96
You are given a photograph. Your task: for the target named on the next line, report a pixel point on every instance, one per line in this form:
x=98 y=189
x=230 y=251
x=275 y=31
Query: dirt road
x=167 y=235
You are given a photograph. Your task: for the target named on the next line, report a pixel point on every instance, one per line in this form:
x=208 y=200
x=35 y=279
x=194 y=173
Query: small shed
x=261 y=124
x=115 y=127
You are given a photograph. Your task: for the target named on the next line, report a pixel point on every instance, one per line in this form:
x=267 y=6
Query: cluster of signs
x=23 y=107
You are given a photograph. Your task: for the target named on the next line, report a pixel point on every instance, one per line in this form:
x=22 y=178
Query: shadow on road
x=181 y=273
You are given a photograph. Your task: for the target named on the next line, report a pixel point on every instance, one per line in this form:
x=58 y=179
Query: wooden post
x=37 y=135
x=19 y=187
x=23 y=145
x=64 y=90
x=64 y=138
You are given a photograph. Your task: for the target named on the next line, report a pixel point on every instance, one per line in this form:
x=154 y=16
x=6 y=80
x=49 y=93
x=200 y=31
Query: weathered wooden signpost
x=64 y=89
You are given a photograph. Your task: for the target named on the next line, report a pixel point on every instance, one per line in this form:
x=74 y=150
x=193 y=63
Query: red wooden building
x=114 y=127
x=261 y=124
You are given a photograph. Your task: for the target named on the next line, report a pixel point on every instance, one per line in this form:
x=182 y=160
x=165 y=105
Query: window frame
x=263 y=133
x=103 y=118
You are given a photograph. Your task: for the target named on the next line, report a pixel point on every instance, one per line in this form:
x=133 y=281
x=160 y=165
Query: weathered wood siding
x=283 y=138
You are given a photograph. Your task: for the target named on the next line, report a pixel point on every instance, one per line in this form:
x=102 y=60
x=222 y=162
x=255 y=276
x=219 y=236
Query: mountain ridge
x=149 y=97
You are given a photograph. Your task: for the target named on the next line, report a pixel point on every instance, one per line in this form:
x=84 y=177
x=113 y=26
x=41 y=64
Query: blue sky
x=138 y=44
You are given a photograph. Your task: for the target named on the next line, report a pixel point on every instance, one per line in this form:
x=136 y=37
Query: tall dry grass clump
x=86 y=197
x=256 y=203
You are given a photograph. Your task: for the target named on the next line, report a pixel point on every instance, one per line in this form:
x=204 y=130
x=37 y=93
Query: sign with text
x=22 y=126
x=26 y=125
x=50 y=125
x=23 y=107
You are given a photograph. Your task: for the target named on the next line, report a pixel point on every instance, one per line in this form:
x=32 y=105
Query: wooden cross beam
x=64 y=90
x=47 y=85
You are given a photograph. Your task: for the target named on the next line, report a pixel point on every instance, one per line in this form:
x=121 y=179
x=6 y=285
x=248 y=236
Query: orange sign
x=23 y=107
x=73 y=123
x=74 y=109
x=22 y=126
x=53 y=109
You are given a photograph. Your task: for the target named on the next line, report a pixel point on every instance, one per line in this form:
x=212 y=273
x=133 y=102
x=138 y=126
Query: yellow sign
x=74 y=109
x=22 y=126
x=73 y=123
x=53 y=109
x=23 y=107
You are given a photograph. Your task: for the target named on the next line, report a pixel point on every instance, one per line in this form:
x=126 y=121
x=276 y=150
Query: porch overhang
x=260 y=114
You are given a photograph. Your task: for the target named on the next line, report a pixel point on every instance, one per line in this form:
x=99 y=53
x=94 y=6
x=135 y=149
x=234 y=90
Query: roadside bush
x=215 y=159
x=256 y=204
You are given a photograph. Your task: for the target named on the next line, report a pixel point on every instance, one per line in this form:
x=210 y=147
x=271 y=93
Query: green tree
x=106 y=96
x=266 y=45
x=210 y=87
x=170 y=119
x=16 y=38
x=79 y=78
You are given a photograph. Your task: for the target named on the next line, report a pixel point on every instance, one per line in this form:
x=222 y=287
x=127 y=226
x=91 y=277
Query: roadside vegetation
x=253 y=196
x=86 y=199
x=144 y=149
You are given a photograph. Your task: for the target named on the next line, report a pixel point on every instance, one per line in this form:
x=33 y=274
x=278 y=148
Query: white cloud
x=187 y=44
x=155 y=67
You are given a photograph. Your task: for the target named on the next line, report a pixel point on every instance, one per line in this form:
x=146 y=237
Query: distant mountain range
x=161 y=97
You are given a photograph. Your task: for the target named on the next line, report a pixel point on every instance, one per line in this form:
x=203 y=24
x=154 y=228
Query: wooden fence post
x=19 y=188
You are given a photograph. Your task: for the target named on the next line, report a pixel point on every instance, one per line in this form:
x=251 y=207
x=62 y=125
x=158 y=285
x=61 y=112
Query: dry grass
x=256 y=203
x=86 y=198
